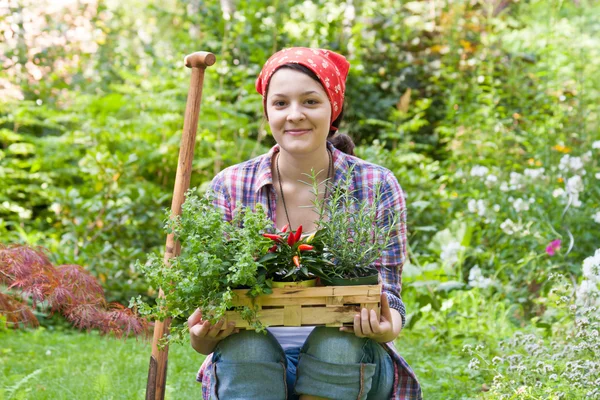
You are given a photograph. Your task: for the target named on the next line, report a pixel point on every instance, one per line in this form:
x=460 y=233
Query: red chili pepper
x=298 y=233
x=304 y=247
x=285 y=228
x=273 y=249
x=291 y=239
x=275 y=238
x=296 y=260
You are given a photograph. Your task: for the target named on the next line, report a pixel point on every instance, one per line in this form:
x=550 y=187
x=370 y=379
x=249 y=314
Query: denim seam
x=214 y=382
x=361 y=381
x=284 y=379
x=364 y=352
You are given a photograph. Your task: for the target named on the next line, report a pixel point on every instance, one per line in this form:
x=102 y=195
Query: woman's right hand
x=204 y=336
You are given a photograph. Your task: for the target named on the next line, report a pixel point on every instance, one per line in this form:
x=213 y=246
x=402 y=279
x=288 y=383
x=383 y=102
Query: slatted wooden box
x=325 y=305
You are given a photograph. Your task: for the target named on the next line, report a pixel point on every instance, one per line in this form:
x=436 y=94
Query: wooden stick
x=157 y=372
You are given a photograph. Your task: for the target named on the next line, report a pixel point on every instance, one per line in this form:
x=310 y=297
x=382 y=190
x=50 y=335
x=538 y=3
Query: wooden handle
x=200 y=59
x=157 y=372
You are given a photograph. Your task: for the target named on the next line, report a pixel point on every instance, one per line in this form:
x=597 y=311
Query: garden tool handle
x=157 y=372
x=200 y=59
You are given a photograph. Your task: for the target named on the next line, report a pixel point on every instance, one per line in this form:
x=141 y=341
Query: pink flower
x=553 y=247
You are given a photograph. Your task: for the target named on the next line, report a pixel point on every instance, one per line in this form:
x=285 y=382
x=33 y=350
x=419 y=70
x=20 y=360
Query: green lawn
x=71 y=365
x=42 y=364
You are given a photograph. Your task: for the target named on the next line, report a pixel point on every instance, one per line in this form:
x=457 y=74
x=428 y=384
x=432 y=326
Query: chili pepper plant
x=292 y=258
x=216 y=257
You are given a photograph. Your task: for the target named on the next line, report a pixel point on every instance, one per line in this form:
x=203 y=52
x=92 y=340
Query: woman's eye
x=279 y=103
x=312 y=102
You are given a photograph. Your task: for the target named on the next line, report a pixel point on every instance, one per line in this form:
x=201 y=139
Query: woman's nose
x=295 y=114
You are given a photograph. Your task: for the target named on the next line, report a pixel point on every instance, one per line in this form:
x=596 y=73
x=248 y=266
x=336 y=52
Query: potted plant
x=216 y=257
x=352 y=234
x=293 y=261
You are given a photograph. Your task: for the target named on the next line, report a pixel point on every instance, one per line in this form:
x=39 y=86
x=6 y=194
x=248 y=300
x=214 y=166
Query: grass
x=44 y=364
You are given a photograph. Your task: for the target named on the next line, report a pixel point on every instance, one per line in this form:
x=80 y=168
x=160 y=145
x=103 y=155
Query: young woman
x=303 y=95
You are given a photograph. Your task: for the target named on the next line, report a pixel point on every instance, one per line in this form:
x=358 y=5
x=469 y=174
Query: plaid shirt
x=251 y=183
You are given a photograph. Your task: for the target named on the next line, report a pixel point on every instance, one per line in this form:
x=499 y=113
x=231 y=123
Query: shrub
x=28 y=279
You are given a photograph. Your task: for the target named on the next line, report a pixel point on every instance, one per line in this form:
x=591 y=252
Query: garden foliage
x=486 y=112
x=216 y=257
x=33 y=282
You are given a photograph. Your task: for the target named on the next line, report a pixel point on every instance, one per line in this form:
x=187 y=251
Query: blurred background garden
x=485 y=110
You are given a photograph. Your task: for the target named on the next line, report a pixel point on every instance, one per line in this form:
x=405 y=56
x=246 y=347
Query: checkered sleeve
x=221 y=196
x=390 y=264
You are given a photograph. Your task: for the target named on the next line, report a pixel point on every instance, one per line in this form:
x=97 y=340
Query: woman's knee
x=250 y=346
x=332 y=346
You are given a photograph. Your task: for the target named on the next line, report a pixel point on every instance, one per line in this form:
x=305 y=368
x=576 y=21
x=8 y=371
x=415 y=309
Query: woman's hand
x=384 y=330
x=204 y=336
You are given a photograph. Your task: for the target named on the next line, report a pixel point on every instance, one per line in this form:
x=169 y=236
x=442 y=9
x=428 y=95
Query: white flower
x=558 y=192
x=596 y=144
x=597 y=175
x=504 y=187
x=474 y=363
x=450 y=252
x=596 y=217
x=591 y=267
x=534 y=173
x=477 y=207
x=496 y=207
x=516 y=180
x=520 y=205
x=491 y=180
x=568 y=163
x=587 y=293
x=476 y=278
x=508 y=226
x=574 y=185
x=479 y=170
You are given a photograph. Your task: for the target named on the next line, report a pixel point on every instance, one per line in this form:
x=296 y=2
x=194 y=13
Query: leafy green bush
x=216 y=257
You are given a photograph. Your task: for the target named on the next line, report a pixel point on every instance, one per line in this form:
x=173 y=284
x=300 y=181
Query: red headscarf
x=331 y=68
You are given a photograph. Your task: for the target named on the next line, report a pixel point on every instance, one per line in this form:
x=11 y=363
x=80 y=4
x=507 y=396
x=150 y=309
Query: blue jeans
x=331 y=364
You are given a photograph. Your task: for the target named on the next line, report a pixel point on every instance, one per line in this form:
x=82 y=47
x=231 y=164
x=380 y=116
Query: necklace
x=329 y=176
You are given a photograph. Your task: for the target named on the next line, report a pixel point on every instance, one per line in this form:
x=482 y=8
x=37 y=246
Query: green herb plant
x=216 y=257
x=352 y=233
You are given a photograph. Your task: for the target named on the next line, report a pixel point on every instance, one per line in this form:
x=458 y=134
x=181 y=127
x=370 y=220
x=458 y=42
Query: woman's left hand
x=382 y=330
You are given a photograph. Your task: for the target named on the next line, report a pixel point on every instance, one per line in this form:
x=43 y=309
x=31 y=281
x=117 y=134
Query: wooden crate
x=325 y=305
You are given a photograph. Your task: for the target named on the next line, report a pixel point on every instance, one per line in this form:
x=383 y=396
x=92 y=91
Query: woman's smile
x=297 y=132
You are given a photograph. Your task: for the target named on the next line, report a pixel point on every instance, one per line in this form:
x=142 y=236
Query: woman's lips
x=297 y=132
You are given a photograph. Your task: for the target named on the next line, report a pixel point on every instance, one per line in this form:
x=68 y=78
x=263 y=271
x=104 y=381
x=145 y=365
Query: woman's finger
x=227 y=331
x=357 y=326
x=215 y=329
x=364 y=322
x=374 y=322
x=195 y=318
x=200 y=329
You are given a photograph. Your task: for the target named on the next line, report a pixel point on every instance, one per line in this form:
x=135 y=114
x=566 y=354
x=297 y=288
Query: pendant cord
x=329 y=176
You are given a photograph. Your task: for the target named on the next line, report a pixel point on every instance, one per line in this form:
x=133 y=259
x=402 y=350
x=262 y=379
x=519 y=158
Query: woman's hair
x=340 y=141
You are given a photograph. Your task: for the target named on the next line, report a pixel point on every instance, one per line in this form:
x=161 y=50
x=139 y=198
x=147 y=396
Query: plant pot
x=363 y=280
x=308 y=283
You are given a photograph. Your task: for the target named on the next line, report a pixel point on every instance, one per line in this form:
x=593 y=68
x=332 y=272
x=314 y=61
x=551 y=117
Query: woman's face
x=299 y=112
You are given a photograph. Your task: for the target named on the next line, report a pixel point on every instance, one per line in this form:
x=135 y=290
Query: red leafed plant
x=26 y=274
